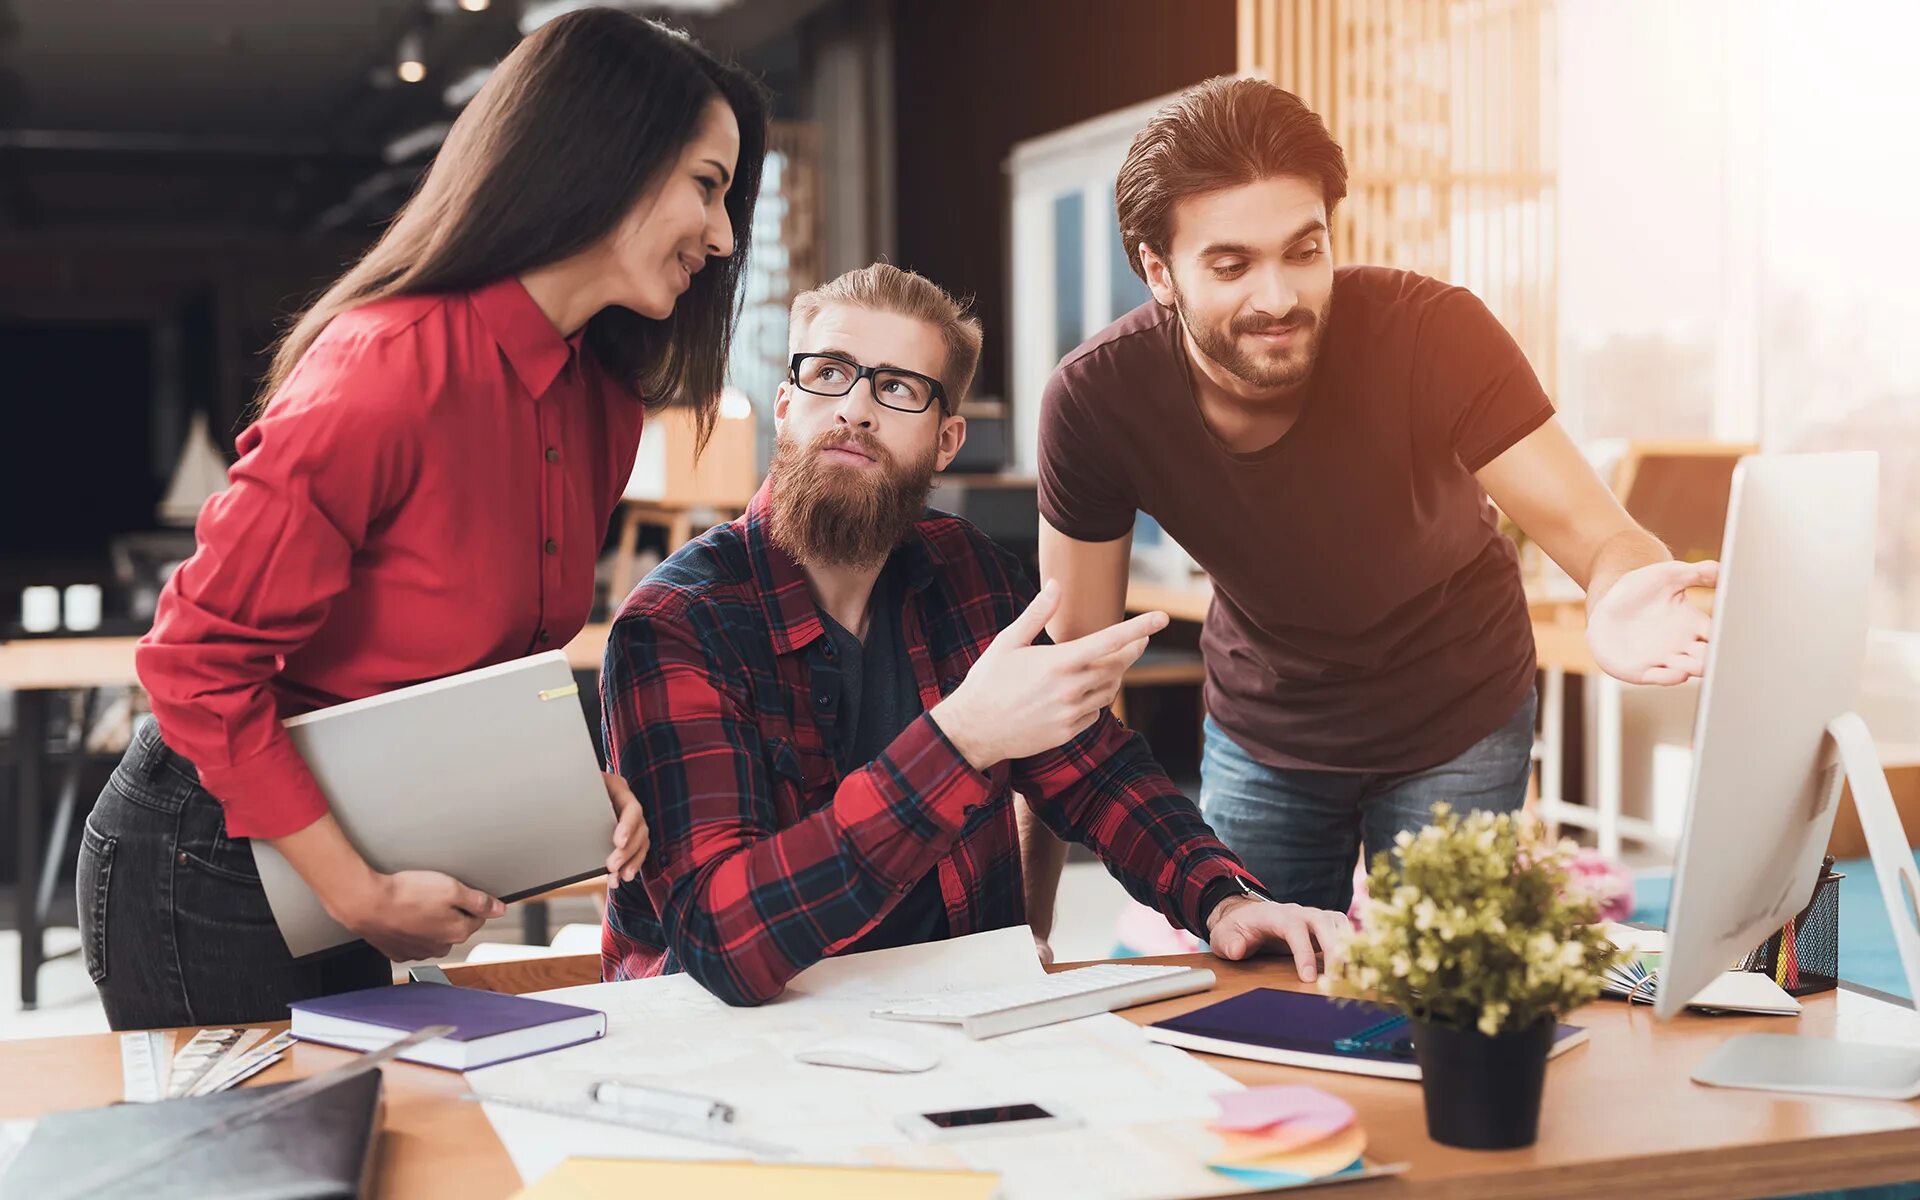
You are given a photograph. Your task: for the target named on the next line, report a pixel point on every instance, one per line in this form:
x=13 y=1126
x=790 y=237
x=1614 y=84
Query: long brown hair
x=584 y=116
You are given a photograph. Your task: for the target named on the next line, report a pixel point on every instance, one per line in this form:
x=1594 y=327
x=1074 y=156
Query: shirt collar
x=532 y=345
x=792 y=615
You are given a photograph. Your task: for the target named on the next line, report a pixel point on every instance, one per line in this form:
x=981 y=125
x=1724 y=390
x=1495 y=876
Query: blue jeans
x=1300 y=831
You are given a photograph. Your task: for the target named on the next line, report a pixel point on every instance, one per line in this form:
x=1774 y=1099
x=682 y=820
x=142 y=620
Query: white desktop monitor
x=1774 y=737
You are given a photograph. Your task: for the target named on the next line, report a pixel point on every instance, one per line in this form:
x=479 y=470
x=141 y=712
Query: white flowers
x=1472 y=922
x=1490 y=1018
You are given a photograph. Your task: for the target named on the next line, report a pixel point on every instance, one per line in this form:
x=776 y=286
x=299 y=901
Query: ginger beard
x=834 y=514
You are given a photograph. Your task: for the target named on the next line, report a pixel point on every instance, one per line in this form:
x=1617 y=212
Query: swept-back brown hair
x=1222 y=133
x=884 y=287
x=582 y=119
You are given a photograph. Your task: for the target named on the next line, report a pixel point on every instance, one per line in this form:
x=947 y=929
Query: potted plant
x=1480 y=932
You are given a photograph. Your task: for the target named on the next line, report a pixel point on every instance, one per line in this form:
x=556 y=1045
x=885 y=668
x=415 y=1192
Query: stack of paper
x=1286 y=1136
x=1638 y=978
x=1634 y=977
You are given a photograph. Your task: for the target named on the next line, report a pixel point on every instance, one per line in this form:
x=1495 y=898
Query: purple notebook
x=1299 y=1029
x=489 y=1027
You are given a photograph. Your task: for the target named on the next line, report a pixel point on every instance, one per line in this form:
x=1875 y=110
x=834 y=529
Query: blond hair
x=884 y=287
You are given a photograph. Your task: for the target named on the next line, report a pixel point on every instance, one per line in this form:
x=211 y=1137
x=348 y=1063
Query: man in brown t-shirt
x=1324 y=443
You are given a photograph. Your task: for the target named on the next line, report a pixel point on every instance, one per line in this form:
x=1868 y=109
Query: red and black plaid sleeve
x=1105 y=790
x=742 y=904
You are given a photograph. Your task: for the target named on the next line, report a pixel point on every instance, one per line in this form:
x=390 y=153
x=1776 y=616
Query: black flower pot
x=1482 y=1093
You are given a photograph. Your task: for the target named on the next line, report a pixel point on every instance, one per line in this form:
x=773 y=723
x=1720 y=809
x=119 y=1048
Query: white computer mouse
x=869 y=1052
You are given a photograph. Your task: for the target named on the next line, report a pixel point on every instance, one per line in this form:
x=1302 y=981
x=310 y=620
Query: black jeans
x=173 y=923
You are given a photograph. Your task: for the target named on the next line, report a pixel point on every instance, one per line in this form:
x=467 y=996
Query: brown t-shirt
x=1367 y=614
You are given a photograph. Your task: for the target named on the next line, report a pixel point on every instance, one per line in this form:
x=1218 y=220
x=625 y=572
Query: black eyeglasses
x=894 y=387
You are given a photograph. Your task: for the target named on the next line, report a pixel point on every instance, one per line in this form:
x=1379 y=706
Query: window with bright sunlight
x=1738 y=258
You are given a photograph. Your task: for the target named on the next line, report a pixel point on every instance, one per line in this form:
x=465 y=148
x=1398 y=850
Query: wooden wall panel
x=1447 y=112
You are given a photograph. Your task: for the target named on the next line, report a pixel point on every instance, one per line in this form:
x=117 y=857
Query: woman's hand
x=417 y=914
x=405 y=916
x=630 y=835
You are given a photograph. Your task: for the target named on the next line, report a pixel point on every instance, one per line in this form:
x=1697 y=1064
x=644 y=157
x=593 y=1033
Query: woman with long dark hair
x=441 y=441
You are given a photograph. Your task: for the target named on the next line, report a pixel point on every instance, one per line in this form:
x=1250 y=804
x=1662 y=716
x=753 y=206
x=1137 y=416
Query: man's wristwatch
x=1227 y=888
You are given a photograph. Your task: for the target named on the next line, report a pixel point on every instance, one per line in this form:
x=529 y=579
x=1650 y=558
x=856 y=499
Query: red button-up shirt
x=426 y=494
x=718 y=695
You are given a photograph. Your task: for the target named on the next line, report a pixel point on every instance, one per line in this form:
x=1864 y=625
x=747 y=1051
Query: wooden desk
x=62 y=664
x=1621 y=1117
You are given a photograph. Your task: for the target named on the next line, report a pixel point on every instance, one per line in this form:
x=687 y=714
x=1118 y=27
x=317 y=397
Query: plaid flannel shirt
x=719 y=693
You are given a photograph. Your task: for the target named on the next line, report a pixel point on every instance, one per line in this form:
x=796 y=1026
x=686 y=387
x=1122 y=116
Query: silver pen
x=640 y=1098
x=651 y=1120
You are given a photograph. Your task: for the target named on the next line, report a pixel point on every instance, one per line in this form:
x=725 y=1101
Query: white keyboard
x=1062 y=996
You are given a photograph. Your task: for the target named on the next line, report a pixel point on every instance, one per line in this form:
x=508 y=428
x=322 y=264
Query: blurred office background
x=1691 y=213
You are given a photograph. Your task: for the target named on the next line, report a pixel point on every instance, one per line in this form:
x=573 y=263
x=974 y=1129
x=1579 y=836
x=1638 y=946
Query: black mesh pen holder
x=1804 y=956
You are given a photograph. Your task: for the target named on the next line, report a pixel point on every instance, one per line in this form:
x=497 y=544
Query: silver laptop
x=488 y=776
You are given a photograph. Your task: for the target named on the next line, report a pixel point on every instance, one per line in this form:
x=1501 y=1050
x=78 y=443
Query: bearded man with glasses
x=825 y=706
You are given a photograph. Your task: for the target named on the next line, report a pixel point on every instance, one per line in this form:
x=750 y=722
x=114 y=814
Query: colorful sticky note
x=1322 y=1158
x=1236 y=1147
x=1263 y=1107
x=1255 y=1178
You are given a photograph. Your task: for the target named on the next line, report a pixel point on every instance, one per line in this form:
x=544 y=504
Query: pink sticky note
x=1289 y=1104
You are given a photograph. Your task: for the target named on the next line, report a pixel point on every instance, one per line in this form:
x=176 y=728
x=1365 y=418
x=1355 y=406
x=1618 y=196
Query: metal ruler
x=145 y=1059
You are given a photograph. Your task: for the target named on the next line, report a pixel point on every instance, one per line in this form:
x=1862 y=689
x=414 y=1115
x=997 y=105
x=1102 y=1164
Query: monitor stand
x=1779 y=1062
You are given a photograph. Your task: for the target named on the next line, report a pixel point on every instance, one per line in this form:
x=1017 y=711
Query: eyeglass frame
x=870 y=374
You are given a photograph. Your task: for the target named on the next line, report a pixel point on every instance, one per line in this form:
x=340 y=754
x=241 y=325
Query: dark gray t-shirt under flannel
x=878 y=699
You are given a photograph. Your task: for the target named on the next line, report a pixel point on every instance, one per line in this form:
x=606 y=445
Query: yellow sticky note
x=624 y=1179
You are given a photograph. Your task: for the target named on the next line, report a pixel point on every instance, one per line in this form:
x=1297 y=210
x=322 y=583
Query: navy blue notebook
x=489 y=1027
x=1299 y=1029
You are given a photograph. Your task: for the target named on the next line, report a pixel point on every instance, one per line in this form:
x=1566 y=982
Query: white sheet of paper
x=1635 y=941
x=1002 y=956
x=13 y=1139
x=1747 y=991
x=671 y=1033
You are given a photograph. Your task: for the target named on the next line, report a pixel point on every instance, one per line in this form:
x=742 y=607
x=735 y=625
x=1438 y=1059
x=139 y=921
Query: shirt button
x=553 y=547
x=552 y=454
x=822 y=699
x=545 y=637
x=827 y=652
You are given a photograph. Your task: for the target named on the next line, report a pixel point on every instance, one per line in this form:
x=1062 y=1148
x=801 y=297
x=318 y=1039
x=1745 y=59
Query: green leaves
x=1476 y=922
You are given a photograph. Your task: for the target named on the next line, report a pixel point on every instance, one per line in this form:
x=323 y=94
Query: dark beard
x=828 y=515
x=1223 y=346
